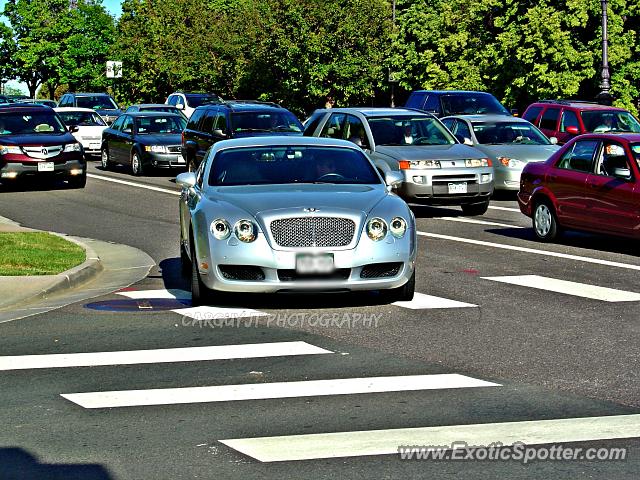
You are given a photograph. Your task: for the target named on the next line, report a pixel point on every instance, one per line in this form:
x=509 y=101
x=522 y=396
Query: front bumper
x=165 y=160
x=91 y=147
x=14 y=169
x=278 y=266
x=507 y=178
x=431 y=187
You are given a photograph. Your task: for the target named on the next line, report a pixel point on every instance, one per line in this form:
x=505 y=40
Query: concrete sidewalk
x=108 y=267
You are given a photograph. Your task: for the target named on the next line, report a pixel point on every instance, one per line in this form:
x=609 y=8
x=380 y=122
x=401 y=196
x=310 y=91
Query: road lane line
x=567 y=256
x=386 y=442
x=583 y=290
x=208 y=316
x=421 y=301
x=178 y=294
x=163 y=355
x=133 y=184
x=505 y=209
x=473 y=220
x=262 y=391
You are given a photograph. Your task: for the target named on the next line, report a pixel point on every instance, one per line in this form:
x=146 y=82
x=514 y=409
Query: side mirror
x=218 y=132
x=393 y=179
x=73 y=128
x=572 y=130
x=553 y=140
x=180 y=106
x=186 y=180
x=622 y=173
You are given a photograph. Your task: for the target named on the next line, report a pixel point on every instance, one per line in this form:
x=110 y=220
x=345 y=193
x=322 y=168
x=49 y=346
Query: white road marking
x=505 y=209
x=164 y=355
x=133 y=184
x=151 y=294
x=386 y=442
x=421 y=301
x=584 y=290
x=473 y=220
x=567 y=256
x=209 y=315
x=261 y=391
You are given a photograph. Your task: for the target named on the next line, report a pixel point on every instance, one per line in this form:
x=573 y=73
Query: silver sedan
x=271 y=214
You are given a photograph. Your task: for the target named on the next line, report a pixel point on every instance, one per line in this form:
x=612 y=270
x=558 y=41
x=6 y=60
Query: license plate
x=314 y=263
x=458 y=187
x=46 y=167
x=179 y=159
x=94 y=146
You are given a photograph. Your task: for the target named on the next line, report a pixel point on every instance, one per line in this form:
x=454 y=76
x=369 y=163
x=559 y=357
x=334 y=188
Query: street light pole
x=605 y=96
x=391 y=79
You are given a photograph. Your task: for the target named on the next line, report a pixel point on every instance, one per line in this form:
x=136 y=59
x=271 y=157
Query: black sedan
x=144 y=140
x=154 y=107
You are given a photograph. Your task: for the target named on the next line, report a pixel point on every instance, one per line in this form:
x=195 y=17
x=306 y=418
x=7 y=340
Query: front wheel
x=136 y=165
x=200 y=293
x=104 y=159
x=78 y=181
x=404 y=293
x=473 y=209
x=545 y=222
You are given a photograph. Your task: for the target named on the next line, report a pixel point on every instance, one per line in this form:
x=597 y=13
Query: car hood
x=260 y=199
x=526 y=153
x=160 y=139
x=429 y=152
x=90 y=131
x=44 y=139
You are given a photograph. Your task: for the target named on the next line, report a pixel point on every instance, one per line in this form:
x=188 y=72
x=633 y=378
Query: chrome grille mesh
x=313 y=231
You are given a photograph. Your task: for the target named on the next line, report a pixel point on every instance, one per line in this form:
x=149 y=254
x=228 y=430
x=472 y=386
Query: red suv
x=34 y=142
x=564 y=119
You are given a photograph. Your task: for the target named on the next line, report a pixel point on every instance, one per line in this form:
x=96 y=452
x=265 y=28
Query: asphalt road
x=548 y=355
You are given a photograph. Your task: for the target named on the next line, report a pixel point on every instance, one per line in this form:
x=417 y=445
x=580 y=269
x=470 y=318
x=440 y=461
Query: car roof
x=244 y=105
x=23 y=107
x=74 y=109
x=163 y=105
x=488 y=118
x=629 y=137
x=152 y=113
x=88 y=93
x=577 y=104
x=452 y=91
x=377 y=111
x=280 y=140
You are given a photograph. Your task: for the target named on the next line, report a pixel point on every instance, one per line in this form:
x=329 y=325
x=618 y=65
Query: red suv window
x=549 y=118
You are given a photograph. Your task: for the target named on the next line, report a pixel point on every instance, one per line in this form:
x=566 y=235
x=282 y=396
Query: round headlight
x=220 y=229
x=245 y=230
x=398 y=227
x=377 y=229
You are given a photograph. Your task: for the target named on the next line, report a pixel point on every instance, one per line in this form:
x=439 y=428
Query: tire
x=545 y=222
x=404 y=293
x=137 y=167
x=185 y=261
x=474 y=209
x=104 y=159
x=200 y=293
x=78 y=181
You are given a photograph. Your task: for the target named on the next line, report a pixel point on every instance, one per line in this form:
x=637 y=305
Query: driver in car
x=325 y=166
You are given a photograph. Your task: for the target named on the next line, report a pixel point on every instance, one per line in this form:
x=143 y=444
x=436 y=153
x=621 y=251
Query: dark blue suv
x=442 y=103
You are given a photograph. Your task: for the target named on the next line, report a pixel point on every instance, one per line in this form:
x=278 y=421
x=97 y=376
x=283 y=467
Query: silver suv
x=438 y=168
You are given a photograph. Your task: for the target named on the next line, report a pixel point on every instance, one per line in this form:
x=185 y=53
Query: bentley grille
x=313 y=231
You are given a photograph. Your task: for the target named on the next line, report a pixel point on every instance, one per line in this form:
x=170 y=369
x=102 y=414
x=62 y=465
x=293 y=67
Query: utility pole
x=605 y=96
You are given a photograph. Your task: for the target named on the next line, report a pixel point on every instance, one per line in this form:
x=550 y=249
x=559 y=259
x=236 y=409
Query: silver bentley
x=274 y=214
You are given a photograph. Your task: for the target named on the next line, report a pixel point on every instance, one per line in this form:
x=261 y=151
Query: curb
x=68 y=279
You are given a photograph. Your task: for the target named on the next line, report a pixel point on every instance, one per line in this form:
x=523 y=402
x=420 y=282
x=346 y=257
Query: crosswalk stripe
x=584 y=290
x=164 y=355
x=422 y=301
x=387 y=442
x=476 y=221
x=262 y=391
x=160 y=293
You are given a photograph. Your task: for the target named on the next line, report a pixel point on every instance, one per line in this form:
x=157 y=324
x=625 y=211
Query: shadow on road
x=18 y=464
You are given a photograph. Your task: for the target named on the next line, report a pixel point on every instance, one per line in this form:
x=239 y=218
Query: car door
x=567 y=181
x=204 y=137
x=612 y=202
x=188 y=201
x=121 y=144
x=549 y=121
x=110 y=138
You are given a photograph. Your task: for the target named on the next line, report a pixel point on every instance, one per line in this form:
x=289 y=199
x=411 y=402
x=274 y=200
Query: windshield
x=200 y=99
x=290 y=165
x=509 y=133
x=29 y=123
x=269 y=121
x=96 y=102
x=82 y=119
x=169 y=124
x=406 y=130
x=471 y=104
x=599 y=121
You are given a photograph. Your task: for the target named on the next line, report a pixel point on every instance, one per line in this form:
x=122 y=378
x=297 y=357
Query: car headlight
x=245 y=230
x=72 y=147
x=220 y=229
x=155 y=148
x=4 y=150
x=417 y=164
x=376 y=229
x=511 y=162
x=398 y=227
x=477 y=162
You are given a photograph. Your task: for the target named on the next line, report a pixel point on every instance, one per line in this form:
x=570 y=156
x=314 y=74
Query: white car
x=188 y=102
x=86 y=125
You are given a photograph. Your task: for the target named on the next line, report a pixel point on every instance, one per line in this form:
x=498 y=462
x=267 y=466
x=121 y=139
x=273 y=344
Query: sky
x=112 y=6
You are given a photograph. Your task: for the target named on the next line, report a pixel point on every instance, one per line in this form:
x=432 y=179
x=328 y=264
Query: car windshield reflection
x=500 y=133
x=405 y=130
